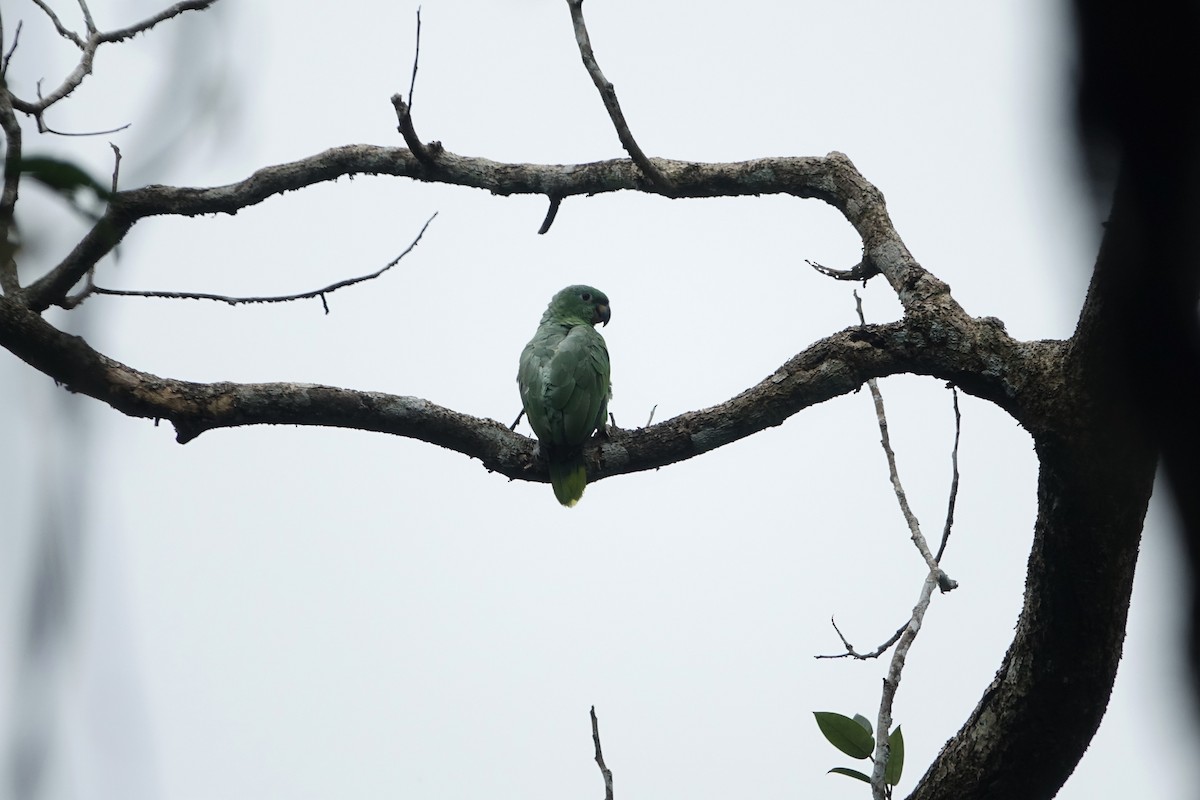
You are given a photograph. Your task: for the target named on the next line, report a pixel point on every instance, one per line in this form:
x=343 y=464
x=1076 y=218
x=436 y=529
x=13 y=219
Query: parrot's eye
x=585 y=297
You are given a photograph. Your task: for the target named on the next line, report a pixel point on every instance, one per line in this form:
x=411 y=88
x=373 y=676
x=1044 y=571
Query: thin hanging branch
x=936 y=577
x=285 y=298
x=953 y=477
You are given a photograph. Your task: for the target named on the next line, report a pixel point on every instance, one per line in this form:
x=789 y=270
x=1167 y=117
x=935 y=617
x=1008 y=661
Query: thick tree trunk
x=1035 y=721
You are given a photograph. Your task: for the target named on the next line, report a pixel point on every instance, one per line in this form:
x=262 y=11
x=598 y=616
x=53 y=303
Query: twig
x=852 y=653
x=517 y=421
x=650 y=419
x=604 y=771
x=862 y=271
x=88 y=47
x=8 y=56
x=234 y=301
x=424 y=154
x=412 y=82
x=45 y=128
x=9 y=281
x=87 y=17
x=914 y=527
x=121 y=34
x=116 y=165
x=63 y=30
x=609 y=95
x=953 y=477
x=551 y=213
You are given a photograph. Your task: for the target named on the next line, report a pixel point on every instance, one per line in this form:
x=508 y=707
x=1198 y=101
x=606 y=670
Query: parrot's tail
x=568 y=477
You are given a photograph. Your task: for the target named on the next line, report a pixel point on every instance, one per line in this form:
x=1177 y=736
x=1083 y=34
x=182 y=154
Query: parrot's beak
x=602 y=315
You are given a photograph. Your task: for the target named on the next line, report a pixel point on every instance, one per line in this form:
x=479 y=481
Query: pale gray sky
x=310 y=613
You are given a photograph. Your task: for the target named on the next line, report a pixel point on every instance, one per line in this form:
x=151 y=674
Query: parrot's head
x=580 y=303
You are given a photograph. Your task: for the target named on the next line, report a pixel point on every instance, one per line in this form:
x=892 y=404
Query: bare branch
x=953 y=478
x=234 y=301
x=862 y=271
x=412 y=81
x=852 y=653
x=63 y=30
x=609 y=95
x=908 y=633
x=87 y=18
x=914 y=527
x=883 y=724
x=604 y=771
x=834 y=366
x=8 y=56
x=116 y=166
x=8 y=195
x=89 y=47
x=43 y=127
x=551 y=213
x=832 y=178
x=425 y=154
x=122 y=34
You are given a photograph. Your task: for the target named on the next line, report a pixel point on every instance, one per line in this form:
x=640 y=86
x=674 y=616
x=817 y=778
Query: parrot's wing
x=533 y=376
x=579 y=374
x=564 y=383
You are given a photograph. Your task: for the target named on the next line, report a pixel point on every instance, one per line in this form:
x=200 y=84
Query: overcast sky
x=311 y=613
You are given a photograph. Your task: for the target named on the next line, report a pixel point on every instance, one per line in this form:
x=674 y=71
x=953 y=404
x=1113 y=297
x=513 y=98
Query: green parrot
x=564 y=381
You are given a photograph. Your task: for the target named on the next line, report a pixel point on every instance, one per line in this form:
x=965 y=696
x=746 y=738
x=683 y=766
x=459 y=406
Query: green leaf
x=845 y=734
x=850 y=773
x=895 y=762
x=866 y=723
x=63 y=177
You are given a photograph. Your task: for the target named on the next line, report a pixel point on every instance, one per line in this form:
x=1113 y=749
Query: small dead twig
x=852 y=653
x=551 y=213
x=861 y=271
x=609 y=95
x=235 y=301
x=424 y=153
x=8 y=56
x=604 y=771
x=953 y=477
x=116 y=165
x=44 y=127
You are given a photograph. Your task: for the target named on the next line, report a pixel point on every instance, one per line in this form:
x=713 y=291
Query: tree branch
x=953 y=499
x=832 y=179
x=609 y=95
x=1096 y=471
x=9 y=281
x=831 y=367
x=605 y=772
x=63 y=30
x=857 y=656
x=121 y=34
x=286 y=298
x=88 y=48
x=425 y=154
